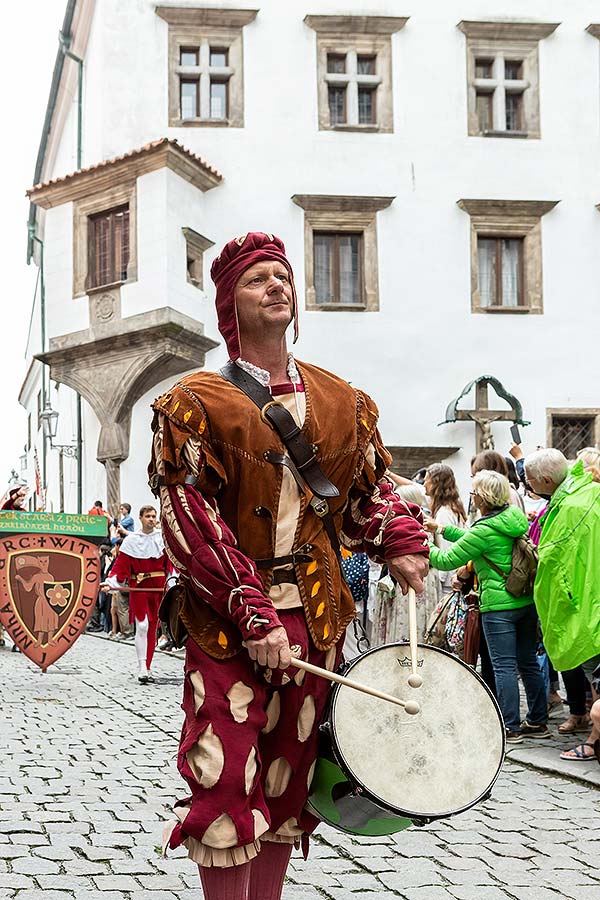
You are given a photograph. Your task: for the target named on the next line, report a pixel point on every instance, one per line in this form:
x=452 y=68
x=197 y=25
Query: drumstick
x=410 y=706
x=414 y=679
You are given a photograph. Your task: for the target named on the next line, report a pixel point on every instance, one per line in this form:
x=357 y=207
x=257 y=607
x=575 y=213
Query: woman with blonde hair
x=446 y=508
x=509 y=622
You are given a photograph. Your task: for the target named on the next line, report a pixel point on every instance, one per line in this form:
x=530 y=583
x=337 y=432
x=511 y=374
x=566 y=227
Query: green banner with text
x=53 y=523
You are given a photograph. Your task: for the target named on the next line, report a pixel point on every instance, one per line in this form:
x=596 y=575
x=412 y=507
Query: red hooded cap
x=235 y=257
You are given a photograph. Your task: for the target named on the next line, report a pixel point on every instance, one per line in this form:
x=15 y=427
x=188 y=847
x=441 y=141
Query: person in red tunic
x=142 y=564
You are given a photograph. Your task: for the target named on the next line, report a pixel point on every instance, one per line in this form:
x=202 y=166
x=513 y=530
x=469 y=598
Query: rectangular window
x=500 y=267
x=337 y=266
x=190 y=98
x=218 y=57
x=513 y=70
x=189 y=56
x=485 y=117
x=366 y=106
x=336 y=63
x=218 y=99
x=513 y=111
x=570 y=434
x=337 y=105
x=366 y=65
x=109 y=247
x=483 y=68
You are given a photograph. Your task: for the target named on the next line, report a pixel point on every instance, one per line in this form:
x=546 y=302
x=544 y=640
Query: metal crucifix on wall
x=482 y=415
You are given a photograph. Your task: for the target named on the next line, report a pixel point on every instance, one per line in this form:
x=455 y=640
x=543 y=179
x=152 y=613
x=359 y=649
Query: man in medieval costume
x=258 y=551
x=141 y=567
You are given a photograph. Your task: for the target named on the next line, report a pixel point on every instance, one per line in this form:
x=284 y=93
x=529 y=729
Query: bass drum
x=381 y=770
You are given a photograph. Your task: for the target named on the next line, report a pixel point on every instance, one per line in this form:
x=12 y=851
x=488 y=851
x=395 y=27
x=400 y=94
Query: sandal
x=574 y=724
x=579 y=754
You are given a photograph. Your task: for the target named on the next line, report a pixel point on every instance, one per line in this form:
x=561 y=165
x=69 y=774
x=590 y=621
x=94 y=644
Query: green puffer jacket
x=567 y=585
x=492 y=536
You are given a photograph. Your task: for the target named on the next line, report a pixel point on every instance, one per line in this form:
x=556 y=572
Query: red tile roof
x=147 y=148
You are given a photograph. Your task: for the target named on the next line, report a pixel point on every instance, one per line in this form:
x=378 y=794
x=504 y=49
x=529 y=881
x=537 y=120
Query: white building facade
x=432 y=169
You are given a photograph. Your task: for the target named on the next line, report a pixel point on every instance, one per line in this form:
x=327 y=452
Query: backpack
x=521 y=578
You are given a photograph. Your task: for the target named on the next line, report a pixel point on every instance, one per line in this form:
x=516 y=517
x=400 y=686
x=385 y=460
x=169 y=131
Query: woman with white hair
x=509 y=623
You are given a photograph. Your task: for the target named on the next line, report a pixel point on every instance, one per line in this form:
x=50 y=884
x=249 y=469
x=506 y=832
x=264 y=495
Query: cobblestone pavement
x=88 y=771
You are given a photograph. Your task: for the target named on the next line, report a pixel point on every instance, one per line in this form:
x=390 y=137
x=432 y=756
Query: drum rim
x=365 y=791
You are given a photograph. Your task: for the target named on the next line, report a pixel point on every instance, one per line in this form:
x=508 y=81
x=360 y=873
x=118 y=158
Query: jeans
x=511 y=635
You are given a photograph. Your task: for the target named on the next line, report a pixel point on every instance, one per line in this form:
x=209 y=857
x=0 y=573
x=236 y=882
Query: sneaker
x=143 y=679
x=535 y=731
x=514 y=737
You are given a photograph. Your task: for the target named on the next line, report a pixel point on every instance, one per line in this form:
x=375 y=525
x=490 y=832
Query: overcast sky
x=25 y=74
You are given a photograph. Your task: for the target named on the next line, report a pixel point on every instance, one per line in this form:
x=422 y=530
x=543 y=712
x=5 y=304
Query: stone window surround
x=195 y=26
x=337 y=213
x=510 y=41
x=568 y=412
x=510 y=219
x=111 y=197
x=195 y=245
x=365 y=36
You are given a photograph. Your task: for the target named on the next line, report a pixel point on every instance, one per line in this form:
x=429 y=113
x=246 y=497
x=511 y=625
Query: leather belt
x=157 y=481
x=284 y=576
x=301 y=555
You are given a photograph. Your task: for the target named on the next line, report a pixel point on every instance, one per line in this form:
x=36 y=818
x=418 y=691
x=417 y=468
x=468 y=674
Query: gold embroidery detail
x=176 y=407
x=166 y=400
x=240 y=240
x=364 y=422
x=312 y=567
x=202 y=426
x=187 y=416
x=326 y=632
x=222 y=640
x=315 y=589
x=320 y=610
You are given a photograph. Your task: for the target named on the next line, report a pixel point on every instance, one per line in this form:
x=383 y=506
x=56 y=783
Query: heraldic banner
x=49 y=577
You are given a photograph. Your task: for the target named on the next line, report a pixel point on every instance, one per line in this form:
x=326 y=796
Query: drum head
x=434 y=764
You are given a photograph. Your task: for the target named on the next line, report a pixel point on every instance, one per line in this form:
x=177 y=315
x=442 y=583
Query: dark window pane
x=323 y=263
x=336 y=63
x=190 y=95
x=366 y=65
x=218 y=56
x=337 y=105
x=349 y=265
x=513 y=70
x=218 y=99
x=188 y=56
x=571 y=434
x=486 y=260
x=484 y=111
x=483 y=68
x=513 y=112
x=366 y=106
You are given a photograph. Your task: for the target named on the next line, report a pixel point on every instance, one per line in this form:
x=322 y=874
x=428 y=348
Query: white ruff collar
x=264 y=377
x=143 y=546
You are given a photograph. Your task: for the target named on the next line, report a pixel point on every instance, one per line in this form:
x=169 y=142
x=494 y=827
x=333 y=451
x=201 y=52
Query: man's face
x=148 y=520
x=263 y=298
x=123 y=511
x=540 y=486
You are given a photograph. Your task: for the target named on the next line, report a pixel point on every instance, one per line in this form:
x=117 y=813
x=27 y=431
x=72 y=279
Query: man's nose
x=274 y=284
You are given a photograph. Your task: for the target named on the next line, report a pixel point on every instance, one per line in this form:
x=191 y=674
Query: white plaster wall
x=64 y=313
x=423 y=345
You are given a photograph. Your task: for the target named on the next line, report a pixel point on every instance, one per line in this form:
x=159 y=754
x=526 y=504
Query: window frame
x=509 y=219
x=195 y=246
x=343 y=214
x=505 y=42
x=210 y=29
x=553 y=414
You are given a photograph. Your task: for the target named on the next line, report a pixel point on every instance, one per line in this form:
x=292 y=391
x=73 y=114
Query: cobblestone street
x=88 y=771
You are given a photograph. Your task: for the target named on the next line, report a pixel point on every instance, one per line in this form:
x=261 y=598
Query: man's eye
x=283 y=277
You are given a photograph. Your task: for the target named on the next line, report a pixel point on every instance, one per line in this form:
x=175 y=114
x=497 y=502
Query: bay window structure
x=340 y=251
x=354 y=71
x=206 y=65
x=503 y=77
x=506 y=254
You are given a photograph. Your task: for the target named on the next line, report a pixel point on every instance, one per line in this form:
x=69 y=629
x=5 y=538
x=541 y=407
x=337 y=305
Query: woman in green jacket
x=509 y=623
